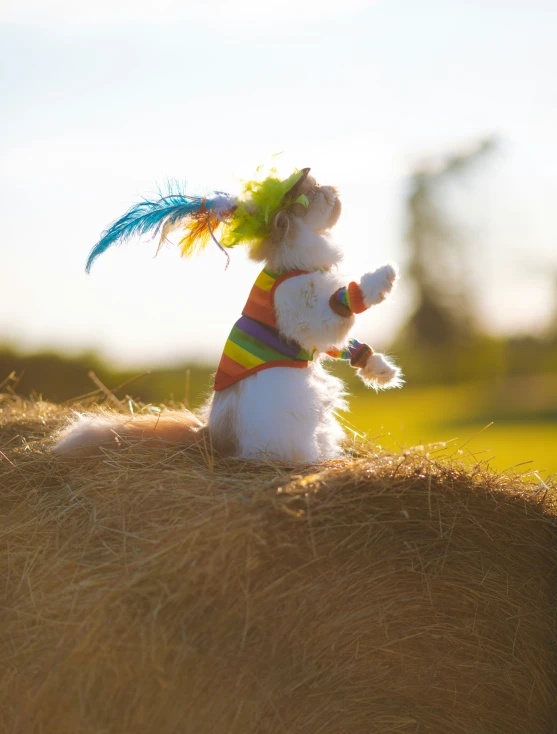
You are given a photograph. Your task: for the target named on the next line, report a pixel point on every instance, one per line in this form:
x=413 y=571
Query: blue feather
x=150 y=216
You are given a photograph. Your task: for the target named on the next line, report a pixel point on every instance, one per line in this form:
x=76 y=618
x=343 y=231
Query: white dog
x=273 y=399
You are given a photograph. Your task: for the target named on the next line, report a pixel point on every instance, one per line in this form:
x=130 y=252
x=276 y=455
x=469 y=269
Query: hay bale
x=166 y=591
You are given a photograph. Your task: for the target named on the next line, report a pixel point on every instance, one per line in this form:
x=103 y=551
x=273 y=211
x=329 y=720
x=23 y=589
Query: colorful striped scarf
x=255 y=342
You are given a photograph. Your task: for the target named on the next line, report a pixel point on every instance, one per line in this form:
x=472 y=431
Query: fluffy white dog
x=273 y=399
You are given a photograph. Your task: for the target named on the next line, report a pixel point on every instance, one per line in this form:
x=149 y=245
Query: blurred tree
x=439 y=260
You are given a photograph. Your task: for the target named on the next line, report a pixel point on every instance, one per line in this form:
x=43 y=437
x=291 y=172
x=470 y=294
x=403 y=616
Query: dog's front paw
x=380 y=373
x=376 y=286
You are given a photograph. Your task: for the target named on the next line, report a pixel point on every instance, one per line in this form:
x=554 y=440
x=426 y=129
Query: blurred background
x=436 y=121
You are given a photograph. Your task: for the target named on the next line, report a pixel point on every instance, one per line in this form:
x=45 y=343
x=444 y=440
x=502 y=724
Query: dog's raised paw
x=376 y=286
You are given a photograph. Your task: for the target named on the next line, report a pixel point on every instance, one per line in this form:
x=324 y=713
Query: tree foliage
x=439 y=256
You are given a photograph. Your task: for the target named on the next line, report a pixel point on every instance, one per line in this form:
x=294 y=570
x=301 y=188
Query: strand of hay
x=169 y=591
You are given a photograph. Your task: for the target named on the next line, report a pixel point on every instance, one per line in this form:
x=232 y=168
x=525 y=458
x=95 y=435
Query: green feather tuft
x=257 y=208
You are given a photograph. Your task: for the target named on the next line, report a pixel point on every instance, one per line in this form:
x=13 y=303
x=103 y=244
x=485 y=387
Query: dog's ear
x=281 y=225
x=296 y=190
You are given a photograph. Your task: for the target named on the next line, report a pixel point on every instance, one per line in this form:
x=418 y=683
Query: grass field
x=522 y=414
x=506 y=421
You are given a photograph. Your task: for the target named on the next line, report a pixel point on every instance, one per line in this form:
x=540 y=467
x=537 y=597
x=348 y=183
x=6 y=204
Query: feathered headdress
x=246 y=219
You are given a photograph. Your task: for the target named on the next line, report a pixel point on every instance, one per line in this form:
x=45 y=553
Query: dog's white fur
x=282 y=413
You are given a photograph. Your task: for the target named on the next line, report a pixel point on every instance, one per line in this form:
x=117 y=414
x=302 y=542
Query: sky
x=102 y=100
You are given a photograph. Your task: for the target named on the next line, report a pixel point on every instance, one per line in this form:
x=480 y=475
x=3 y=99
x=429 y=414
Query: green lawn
x=523 y=409
x=523 y=412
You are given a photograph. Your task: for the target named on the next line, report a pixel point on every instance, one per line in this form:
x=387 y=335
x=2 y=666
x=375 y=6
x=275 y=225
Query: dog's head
x=297 y=238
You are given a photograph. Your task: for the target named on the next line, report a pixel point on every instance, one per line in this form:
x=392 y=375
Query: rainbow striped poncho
x=255 y=342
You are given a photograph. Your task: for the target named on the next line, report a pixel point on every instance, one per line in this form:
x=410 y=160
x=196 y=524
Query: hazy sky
x=103 y=99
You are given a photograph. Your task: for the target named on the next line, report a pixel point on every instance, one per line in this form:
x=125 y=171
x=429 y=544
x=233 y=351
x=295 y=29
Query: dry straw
x=159 y=590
